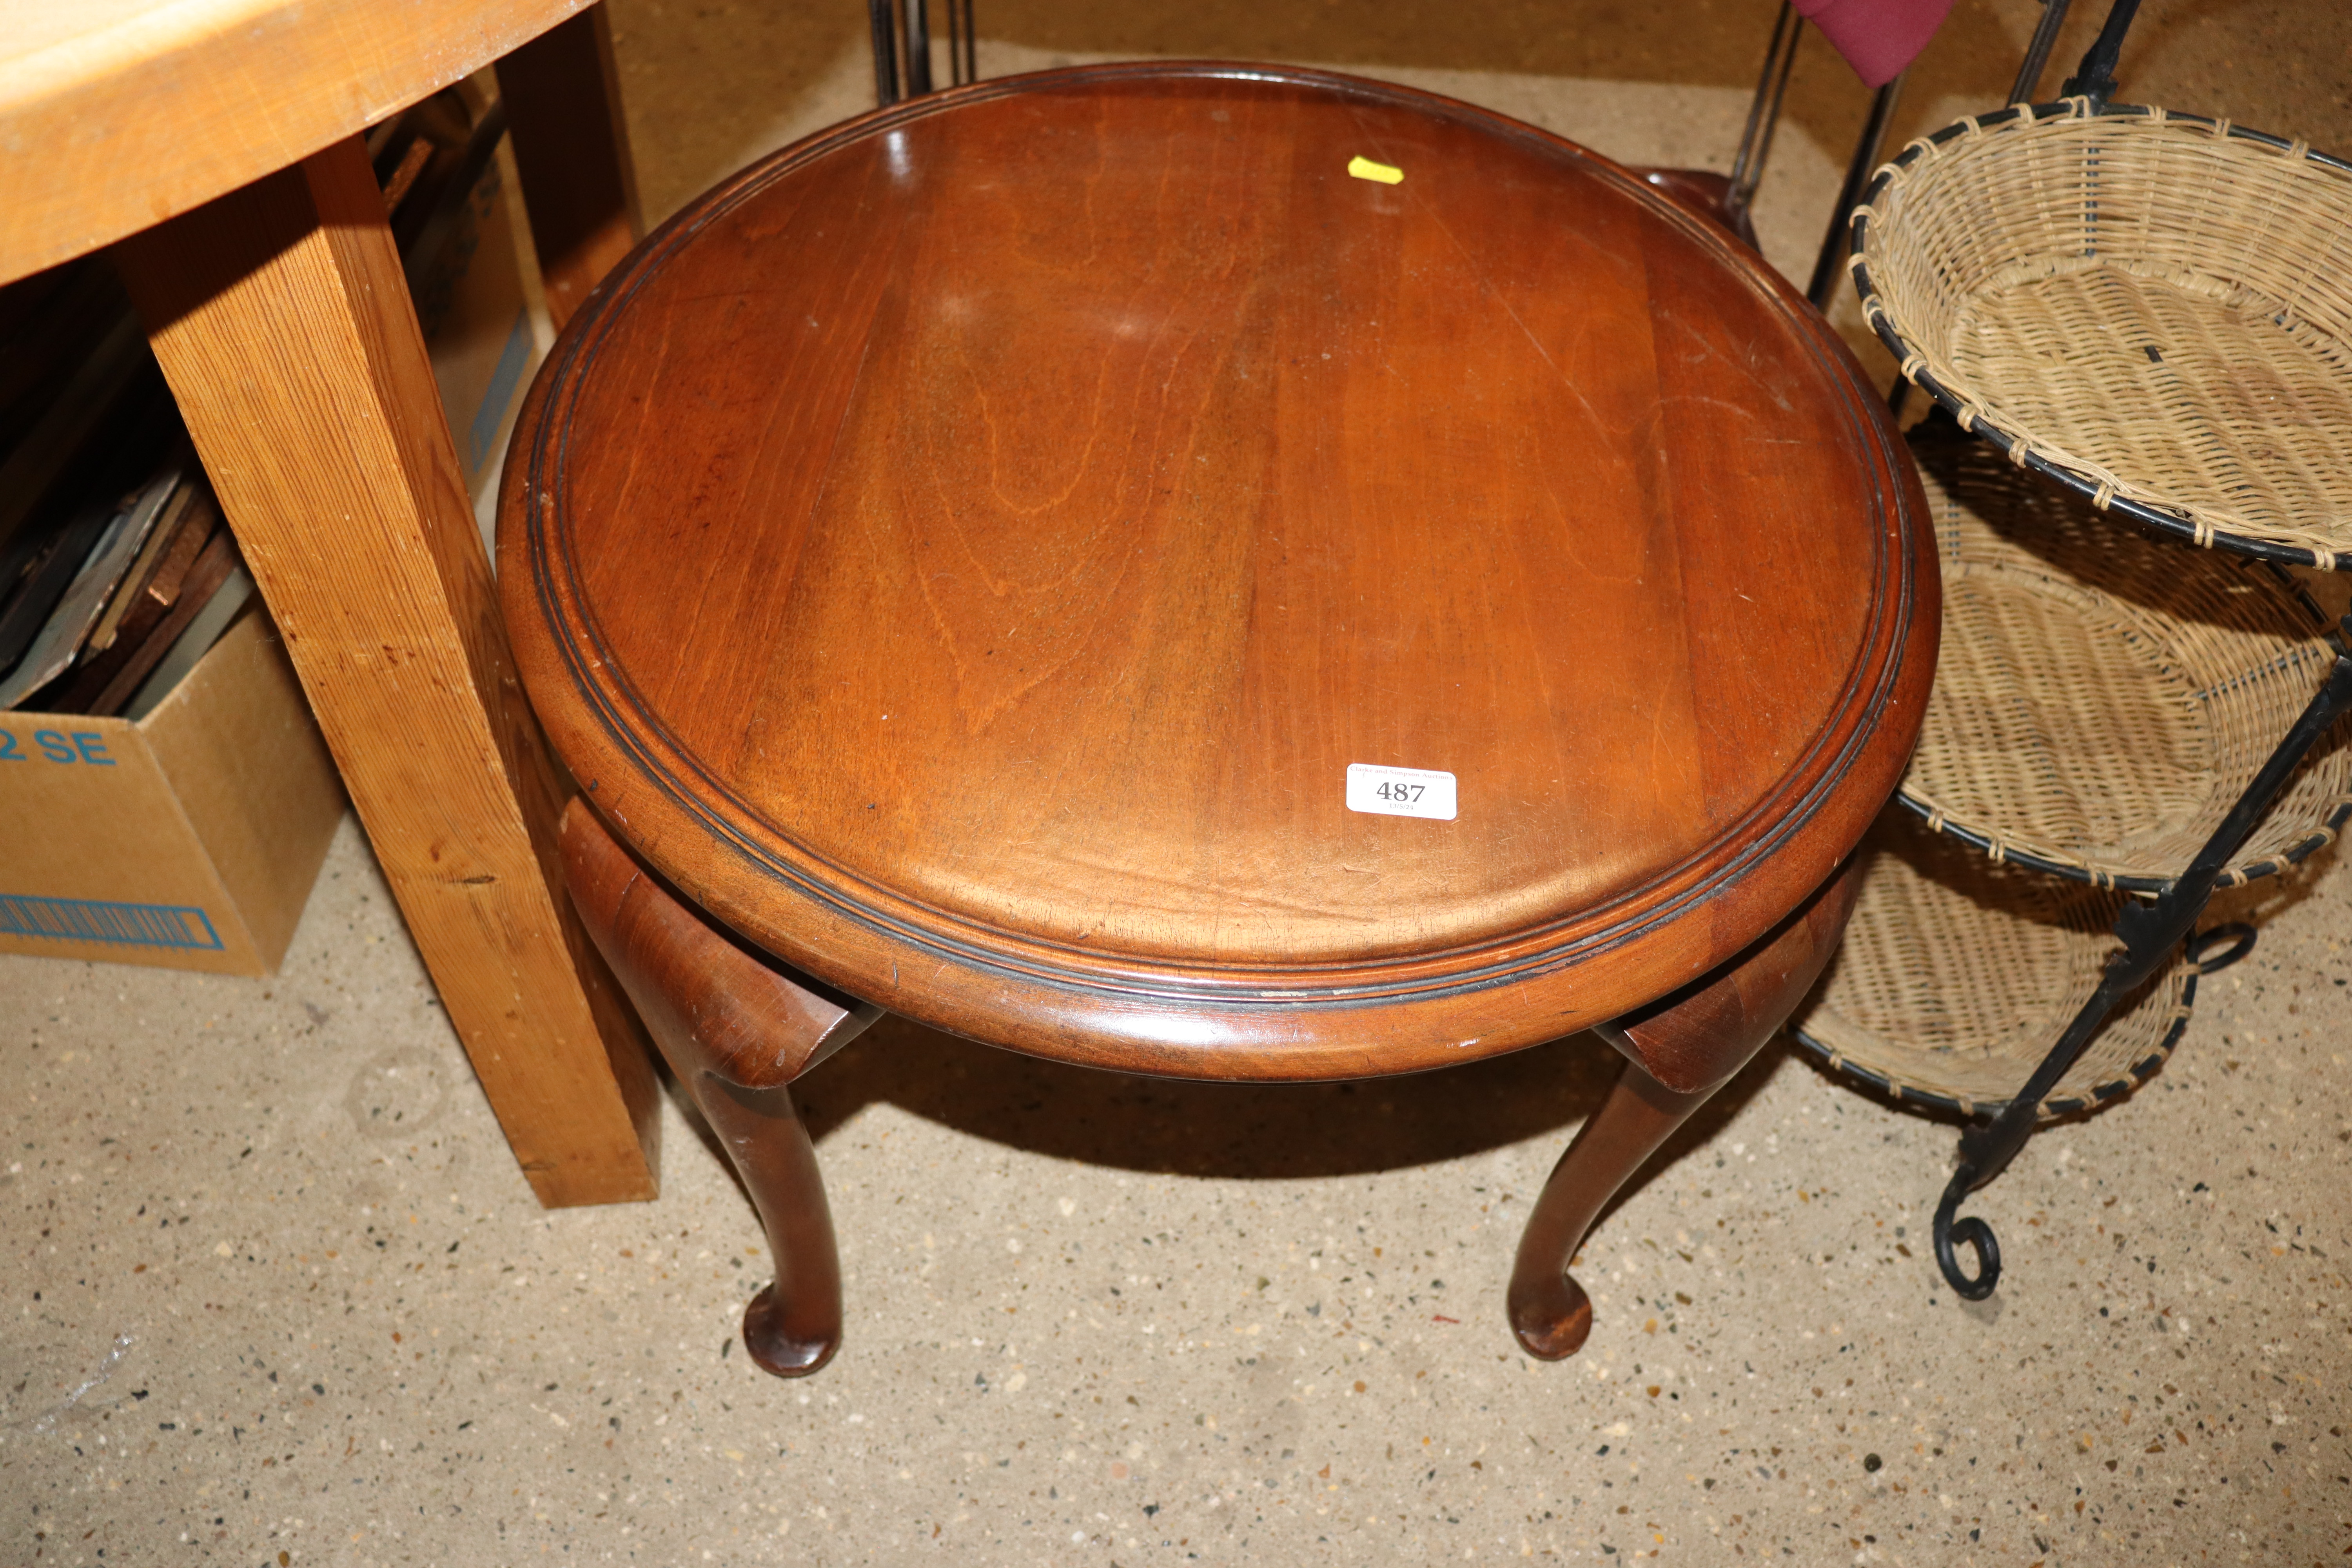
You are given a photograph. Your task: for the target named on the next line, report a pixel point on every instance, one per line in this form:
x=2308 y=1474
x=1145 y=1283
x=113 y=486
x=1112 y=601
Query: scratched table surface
x=985 y=553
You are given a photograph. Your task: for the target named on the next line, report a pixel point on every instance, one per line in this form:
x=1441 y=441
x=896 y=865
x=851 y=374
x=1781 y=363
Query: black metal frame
x=2037 y=51
x=901 y=31
x=2149 y=928
x=2094 y=78
x=1858 y=173
x=1764 y=111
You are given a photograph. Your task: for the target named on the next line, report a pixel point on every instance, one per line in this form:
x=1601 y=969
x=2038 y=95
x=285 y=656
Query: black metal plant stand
x=2149 y=929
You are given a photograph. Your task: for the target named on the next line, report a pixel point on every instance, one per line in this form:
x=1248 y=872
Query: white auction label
x=1401 y=792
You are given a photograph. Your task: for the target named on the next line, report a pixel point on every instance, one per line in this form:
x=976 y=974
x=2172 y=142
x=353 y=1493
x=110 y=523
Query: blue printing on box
x=500 y=392
x=86 y=919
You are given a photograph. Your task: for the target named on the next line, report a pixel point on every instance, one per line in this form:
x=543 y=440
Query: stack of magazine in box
x=116 y=570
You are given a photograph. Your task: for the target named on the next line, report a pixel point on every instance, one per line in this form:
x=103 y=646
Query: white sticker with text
x=1401 y=792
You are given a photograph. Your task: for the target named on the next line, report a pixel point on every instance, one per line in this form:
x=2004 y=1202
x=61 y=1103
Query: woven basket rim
x=2022 y=119
x=1982 y=830
x=1883 y=1063
x=2183 y=970
x=2010 y=853
x=1955 y=978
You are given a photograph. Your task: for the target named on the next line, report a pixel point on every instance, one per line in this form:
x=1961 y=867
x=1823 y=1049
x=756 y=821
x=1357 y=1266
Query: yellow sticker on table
x=1365 y=169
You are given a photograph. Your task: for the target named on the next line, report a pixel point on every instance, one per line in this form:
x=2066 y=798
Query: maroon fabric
x=1877 y=37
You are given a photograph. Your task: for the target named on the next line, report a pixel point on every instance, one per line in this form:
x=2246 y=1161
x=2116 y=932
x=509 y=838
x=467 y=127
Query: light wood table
x=214 y=144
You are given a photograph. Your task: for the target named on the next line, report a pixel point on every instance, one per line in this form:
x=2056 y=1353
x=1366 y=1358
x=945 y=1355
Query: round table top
x=988 y=552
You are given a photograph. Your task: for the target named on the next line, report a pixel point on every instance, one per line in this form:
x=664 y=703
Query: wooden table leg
x=572 y=151
x=1678 y=1053
x=736 y=1032
x=282 y=323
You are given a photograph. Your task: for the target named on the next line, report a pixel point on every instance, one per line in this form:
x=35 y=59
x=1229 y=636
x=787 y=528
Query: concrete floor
x=277 y=1294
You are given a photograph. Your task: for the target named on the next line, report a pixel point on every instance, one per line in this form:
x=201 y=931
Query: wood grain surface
x=282 y=322
x=966 y=551
x=120 y=113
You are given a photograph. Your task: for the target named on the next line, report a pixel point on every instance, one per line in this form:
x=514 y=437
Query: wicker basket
x=1958 y=976
x=2102 y=699
x=2155 y=309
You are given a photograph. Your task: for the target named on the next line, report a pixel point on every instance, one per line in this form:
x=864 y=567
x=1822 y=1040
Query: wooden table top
x=968 y=552
x=117 y=114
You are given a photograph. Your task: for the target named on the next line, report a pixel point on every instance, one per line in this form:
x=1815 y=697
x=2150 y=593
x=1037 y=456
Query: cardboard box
x=190 y=838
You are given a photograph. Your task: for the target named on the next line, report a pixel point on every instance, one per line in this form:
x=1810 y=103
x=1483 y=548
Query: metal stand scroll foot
x=1972 y=1232
x=2150 y=930
x=2007 y=1133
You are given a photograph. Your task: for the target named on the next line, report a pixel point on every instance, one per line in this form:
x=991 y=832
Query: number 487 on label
x=1401 y=792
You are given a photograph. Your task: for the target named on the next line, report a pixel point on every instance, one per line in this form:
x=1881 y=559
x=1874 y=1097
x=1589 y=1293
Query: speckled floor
x=276 y=1292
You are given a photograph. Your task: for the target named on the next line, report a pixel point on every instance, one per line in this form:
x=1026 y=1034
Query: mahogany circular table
x=1210 y=570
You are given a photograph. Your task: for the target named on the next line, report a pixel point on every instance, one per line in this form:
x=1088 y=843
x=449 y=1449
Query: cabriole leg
x=1550 y=1311
x=1679 y=1052
x=736 y=1031
x=793 y=1325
